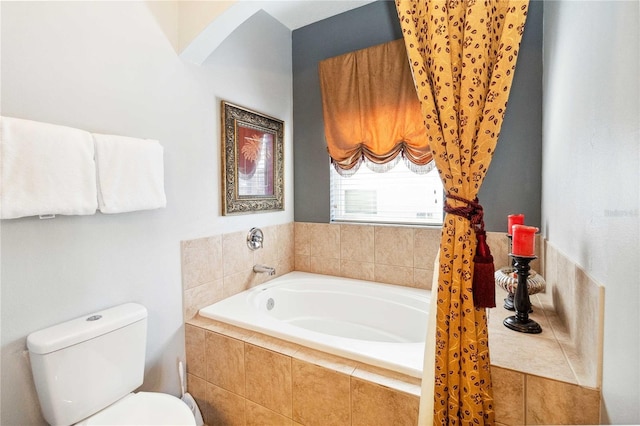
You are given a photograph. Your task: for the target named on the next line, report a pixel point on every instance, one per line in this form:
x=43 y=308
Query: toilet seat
x=143 y=408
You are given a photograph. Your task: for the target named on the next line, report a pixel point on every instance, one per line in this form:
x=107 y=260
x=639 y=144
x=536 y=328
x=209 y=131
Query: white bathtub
x=378 y=324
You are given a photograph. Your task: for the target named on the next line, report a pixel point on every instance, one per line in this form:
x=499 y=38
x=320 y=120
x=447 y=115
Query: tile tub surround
x=553 y=377
x=534 y=376
x=574 y=305
x=570 y=311
x=527 y=399
x=220 y=266
x=239 y=377
x=216 y=267
x=398 y=255
x=564 y=360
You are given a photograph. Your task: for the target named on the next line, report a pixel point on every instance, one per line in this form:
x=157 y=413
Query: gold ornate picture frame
x=252 y=161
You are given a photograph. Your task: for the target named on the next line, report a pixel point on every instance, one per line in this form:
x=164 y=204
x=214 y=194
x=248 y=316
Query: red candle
x=514 y=219
x=524 y=240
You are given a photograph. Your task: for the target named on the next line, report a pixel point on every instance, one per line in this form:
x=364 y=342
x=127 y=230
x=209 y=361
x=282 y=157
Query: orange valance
x=371 y=108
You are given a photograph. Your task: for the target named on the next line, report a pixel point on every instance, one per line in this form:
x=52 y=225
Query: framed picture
x=252 y=161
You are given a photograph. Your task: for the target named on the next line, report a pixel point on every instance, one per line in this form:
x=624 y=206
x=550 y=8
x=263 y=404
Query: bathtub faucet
x=261 y=268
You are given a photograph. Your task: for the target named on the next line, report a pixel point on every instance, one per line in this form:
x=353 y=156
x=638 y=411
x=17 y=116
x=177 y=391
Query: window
x=397 y=196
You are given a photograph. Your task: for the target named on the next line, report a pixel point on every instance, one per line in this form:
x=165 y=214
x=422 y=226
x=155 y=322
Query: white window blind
x=397 y=196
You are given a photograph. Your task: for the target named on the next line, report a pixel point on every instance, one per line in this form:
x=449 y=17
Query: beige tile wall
x=239 y=377
x=220 y=266
x=574 y=303
x=243 y=378
x=526 y=399
x=573 y=306
x=386 y=254
x=217 y=267
x=553 y=377
x=389 y=254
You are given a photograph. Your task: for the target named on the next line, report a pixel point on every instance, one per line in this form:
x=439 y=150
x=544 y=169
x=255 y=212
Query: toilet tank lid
x=84 y=328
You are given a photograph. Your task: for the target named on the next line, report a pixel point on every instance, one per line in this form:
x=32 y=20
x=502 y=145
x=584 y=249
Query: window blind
x=398 y=196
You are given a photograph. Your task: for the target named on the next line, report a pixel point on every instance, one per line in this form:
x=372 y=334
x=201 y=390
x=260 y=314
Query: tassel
x=484 y=285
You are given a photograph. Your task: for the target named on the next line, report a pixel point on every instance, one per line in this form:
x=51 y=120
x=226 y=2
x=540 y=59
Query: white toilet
x=86 y=369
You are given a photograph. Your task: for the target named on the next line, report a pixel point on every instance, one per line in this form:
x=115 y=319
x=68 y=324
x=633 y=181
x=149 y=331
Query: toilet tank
x=86 y=364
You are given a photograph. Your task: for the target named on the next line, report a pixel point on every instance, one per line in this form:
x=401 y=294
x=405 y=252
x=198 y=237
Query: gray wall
x=591 y=172
x=513 y=183
x=109 y=67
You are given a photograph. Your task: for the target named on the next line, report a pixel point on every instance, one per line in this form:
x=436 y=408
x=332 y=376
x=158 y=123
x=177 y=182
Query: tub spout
x=267 y=269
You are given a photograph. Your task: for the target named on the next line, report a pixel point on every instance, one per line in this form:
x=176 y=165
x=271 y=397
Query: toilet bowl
x=85 y=371
x=143 y=408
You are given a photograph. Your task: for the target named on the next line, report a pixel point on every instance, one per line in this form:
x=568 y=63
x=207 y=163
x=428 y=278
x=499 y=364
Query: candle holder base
x=520 y=321
x=508 y=302
x=507 y=279
x=528 y=326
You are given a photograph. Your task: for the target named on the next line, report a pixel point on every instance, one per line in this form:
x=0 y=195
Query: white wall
x=108 y=67
x=591 y=171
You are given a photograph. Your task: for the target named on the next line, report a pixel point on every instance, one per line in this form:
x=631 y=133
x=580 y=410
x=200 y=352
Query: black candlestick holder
x=521 y=321
x=508 y=301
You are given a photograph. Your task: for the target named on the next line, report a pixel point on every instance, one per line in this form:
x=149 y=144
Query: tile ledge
x=559 y=361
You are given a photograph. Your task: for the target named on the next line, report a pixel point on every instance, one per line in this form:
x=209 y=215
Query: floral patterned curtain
x=463 y=56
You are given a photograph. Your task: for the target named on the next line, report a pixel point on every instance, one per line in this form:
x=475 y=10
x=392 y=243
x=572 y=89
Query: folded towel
x=130 y=174
x=46 y=169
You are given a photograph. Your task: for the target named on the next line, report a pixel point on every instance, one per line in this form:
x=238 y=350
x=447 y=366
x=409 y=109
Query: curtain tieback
x=484 y=291
x=472 y=211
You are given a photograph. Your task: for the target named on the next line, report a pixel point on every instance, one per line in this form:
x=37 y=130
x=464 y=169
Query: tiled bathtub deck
x=538 y=379
x=241 y=377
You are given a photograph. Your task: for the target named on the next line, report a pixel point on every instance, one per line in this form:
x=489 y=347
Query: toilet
x=85 y=371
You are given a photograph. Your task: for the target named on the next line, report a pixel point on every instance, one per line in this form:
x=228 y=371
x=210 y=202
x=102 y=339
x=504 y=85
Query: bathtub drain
x=270 y=304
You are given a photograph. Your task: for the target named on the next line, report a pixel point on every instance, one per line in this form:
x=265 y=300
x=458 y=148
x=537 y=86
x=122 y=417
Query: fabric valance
x=371 y=109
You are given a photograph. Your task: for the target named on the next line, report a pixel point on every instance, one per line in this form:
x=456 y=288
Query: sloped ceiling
x=297 y=14
x=227 y=16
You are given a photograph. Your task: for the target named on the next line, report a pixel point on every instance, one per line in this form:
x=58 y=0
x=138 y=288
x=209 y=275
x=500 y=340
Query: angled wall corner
x=196 y=27
x=166 y=15
x=203 y=26
x=195 y=16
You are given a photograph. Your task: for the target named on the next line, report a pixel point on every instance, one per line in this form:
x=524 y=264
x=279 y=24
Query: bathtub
x=377 y=324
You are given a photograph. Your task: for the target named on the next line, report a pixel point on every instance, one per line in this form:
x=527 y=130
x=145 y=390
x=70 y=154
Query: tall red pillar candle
x=524 y=240
x=514 y=219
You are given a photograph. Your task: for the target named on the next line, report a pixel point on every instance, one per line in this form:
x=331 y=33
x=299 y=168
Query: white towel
x=46 y=169
x=130 y=174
